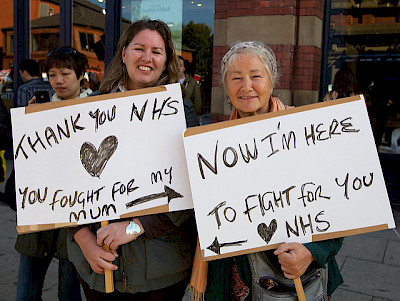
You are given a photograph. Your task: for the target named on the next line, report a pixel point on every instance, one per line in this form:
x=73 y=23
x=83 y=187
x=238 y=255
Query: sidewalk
x=370 y=264
x=10 y=261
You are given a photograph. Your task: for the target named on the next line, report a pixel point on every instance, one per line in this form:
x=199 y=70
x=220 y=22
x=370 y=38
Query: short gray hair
x=265 y=53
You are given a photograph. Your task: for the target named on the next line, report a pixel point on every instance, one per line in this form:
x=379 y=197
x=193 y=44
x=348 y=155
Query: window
x=87 y=41
x=43 y=10
x=45 y=41
x=192 y=26
x=364 y=38
x=12 y=44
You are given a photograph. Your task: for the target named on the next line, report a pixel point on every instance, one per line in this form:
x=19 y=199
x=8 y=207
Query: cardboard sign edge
x=230 y=123
x=315 y=238
x=34 y=108
x=43 y=227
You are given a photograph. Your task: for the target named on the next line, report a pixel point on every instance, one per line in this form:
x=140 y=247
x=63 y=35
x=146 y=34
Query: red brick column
x=299 y=65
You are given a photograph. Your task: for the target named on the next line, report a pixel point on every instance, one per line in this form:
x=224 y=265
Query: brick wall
x=307 y=69
x=284 y=56
x=235 y=8
x=218 y=53
x=299 y=65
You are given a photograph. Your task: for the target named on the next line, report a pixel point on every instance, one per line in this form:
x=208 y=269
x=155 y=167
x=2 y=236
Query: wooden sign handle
x=299 y=289
x=108 y=274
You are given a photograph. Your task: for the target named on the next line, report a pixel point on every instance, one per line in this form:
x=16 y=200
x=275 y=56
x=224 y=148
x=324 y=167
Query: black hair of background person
x=31 y=66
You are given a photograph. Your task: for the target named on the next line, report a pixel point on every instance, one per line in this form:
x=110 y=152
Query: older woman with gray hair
x=249 y=75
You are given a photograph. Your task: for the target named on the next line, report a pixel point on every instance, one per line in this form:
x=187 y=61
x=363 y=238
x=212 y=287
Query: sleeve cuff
x=156 y=225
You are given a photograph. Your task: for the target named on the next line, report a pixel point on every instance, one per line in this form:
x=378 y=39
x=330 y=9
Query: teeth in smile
x=144 y=68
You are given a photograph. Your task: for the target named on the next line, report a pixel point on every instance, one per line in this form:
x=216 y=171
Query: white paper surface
x=299 y=184
x=52 y=183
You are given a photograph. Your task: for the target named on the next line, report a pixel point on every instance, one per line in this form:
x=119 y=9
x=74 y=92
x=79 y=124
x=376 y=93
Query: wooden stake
x=299 y=289
x=108 y=274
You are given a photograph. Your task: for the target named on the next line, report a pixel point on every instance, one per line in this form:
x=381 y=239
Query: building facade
x=293 y=29
x=312 y=40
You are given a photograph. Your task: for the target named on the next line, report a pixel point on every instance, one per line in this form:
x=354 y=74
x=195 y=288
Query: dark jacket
x=26 y=91
x=192 y=92
x=42 y=244
x=5 y=127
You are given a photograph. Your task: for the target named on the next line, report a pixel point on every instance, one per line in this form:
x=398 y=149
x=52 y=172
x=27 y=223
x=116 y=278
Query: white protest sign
x=300 y=175
x=100 y=158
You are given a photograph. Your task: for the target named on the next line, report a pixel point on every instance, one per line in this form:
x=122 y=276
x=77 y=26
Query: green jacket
x=193 y=92
x=324 y=254
x=147 y=263
x=43 y=244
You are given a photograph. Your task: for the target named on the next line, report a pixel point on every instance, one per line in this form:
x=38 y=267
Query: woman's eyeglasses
x=63 y=50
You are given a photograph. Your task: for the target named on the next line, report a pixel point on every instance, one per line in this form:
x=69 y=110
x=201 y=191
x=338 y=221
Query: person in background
x=33 y=81
x=249 y=75
x=190 y=87
x=65 y=68
x=151 y=255
x=8 y=196
x=344 y=84
x=5 y=144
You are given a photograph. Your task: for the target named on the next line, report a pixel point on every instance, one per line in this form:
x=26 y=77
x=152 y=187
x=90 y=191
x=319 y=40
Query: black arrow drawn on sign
x=216 y=246
x=168 y=192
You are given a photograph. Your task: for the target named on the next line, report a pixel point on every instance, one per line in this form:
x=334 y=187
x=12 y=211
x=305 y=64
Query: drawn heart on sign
x=266 y=232
x=94 y=161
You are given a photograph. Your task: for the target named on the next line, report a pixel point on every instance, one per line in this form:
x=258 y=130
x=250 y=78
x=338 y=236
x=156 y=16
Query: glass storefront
x=88 y=38
x=45 y=41
x=364 y=37
x=87 y=32
x=192 y=25
x=6 y=53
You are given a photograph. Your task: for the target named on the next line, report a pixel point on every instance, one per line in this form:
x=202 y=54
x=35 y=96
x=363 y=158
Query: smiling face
x=145 y=59
x=248 y=85
x=64 y=82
